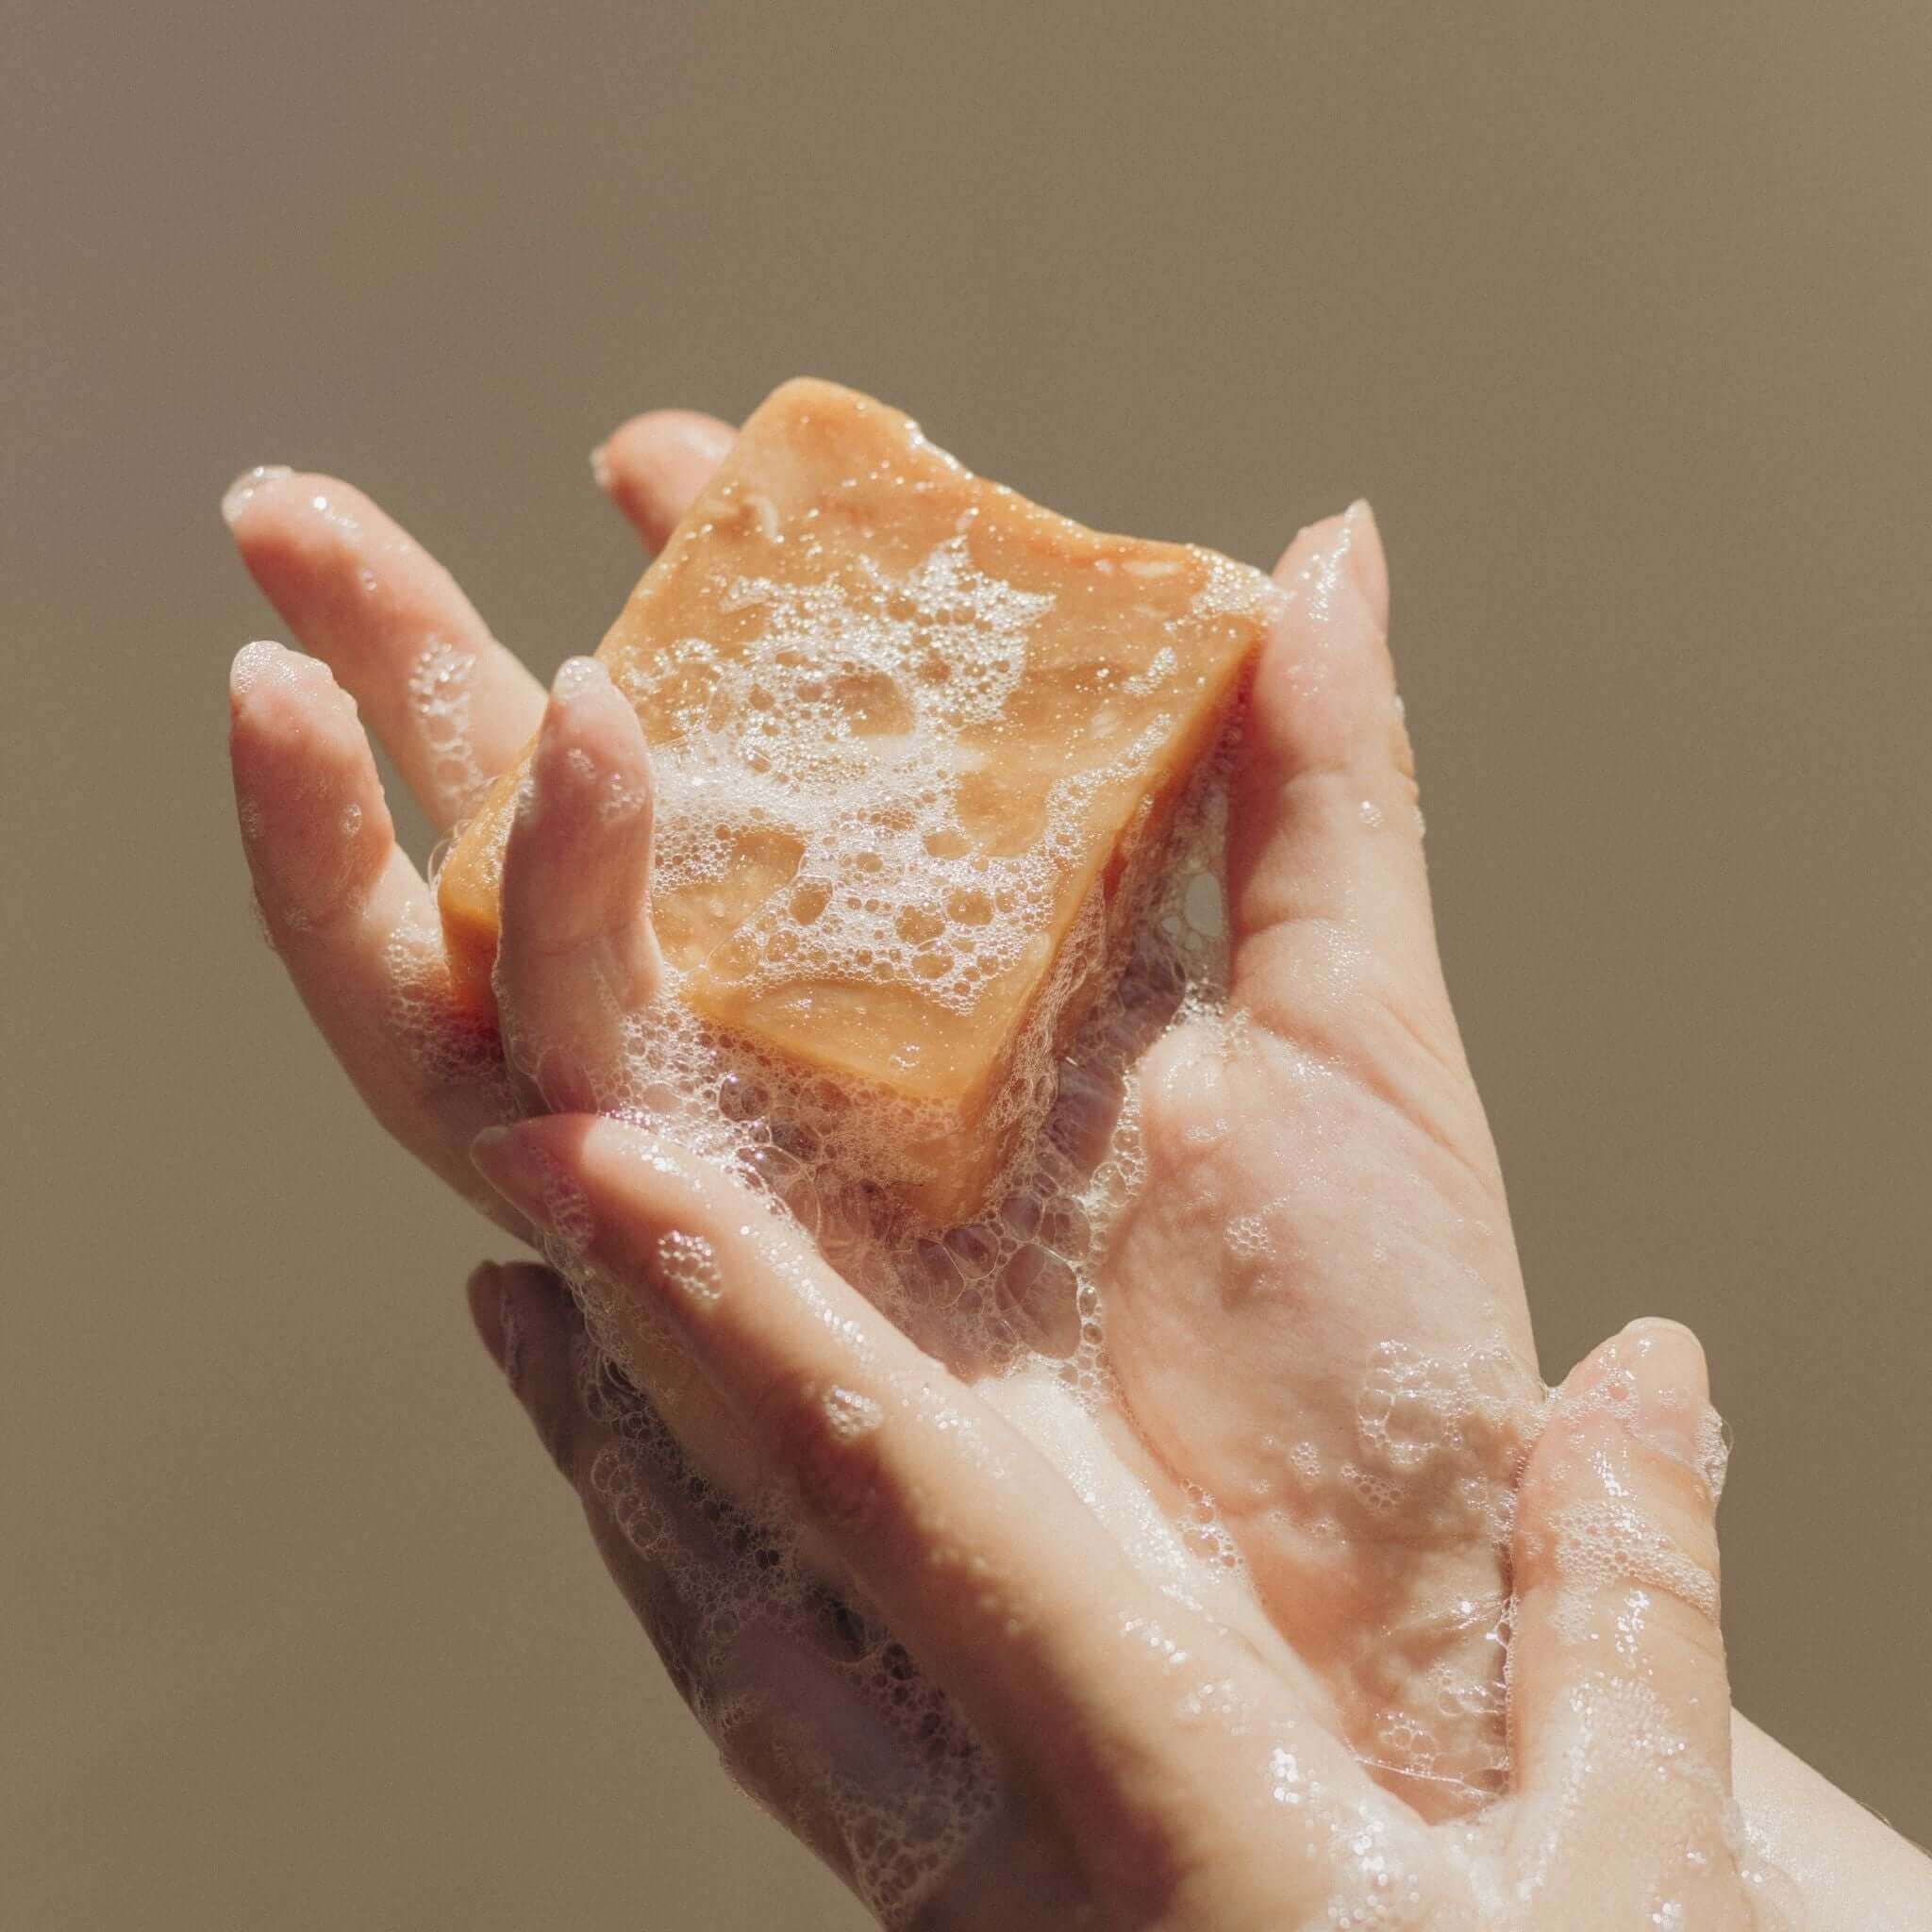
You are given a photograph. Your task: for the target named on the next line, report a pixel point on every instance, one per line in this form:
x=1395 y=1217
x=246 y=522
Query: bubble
x=1603 y=1543
x=824 y=779
x=850 y=1415
x=441 y=698
x=690 y=1264
x=258 y=663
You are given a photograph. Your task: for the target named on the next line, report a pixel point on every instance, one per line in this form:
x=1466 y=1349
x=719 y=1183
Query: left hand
x=1141 y=1765
x=1364 y=1482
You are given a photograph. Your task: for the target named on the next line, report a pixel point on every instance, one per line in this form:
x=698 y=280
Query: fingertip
x=547 y=1137
x=490 y=1152
x=314 y=821
x=1632 y=1424
x=285 y=521
x=1654 y=1368
x=484 y=1292
x=1305 y=546
x=586 y=710
x=248 y=487
x=1368 y=564
x=289 y=721
x=532 y=1332
x=1671 y=1375
x=1664 y=1329
x=652 y=467
x=663 y=436
x=530 y=1163
x=577 y=867
x=1666 y=1353
x=1337 y=566
x=578 y=677
x=255 y=664
x=1326 y=836
x=1615 y=1566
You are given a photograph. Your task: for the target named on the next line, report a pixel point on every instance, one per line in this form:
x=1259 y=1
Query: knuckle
x=824 y=1442
x=1605 y=1539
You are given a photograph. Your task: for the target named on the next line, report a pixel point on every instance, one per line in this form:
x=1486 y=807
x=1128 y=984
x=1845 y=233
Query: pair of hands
x=1070 y=1713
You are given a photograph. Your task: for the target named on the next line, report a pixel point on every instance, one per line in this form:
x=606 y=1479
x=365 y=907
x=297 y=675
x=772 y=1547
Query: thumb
x=1324 y=847
x=1620 y=1703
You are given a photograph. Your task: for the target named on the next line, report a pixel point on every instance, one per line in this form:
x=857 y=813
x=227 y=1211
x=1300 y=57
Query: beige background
x=1620 y=315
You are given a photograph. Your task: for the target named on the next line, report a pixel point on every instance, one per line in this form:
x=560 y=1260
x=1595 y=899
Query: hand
x=1364 y=1483
x=1356 y=1168
x=1142 y=1765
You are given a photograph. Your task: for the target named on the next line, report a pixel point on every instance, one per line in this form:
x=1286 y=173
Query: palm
x=1365 y=1483
x=1322 y=1184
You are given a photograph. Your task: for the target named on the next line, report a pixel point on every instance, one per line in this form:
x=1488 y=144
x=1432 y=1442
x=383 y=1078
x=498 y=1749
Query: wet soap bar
x=916 y=741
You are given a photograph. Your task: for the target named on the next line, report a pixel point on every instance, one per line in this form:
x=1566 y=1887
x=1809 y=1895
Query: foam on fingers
x=350 y=916
x=976 y=1551
x=1620 y=1701
x=313 y=819
x=451 y=706
x=577 y=956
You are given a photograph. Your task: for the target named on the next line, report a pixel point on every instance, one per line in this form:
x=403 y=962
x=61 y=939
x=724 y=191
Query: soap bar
x=917 y=743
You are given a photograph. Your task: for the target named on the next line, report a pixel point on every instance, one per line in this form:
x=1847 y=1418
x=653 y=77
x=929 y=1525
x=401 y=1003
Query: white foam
x=443 y=698
x=1015 y=1298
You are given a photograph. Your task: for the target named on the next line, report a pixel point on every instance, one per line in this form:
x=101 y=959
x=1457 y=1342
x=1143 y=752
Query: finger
x=448 y=703
x=576 y=956
x=776 y=1670
x=528 y=1320
x=979 y=1556
x=1620 y=1705
x=350 y=916
x=626 y=1469
x=652 y=467
x=1326 y=858
x=631 y=1481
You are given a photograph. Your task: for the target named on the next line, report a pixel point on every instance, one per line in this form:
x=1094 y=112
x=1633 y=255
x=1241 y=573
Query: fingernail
x=249 y=485
x=503 y=1160
x=576 y=677
x=528 y=1177
x=265 y=661
x=1368 y=566
x=564 y=1081
x=1341 y=566
x=254 y=664
x=709 y=442
x=510 y=1322
x=1672 y=1411
x=601 y=473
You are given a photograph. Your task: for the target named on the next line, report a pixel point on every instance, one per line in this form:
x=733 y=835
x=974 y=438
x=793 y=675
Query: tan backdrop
x=1618 y=313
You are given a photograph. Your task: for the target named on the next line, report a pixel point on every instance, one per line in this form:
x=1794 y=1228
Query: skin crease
x=1346 y=1126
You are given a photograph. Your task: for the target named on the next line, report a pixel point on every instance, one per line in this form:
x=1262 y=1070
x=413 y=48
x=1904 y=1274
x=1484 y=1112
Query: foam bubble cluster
x=1016 y=1295
x=822 y=779
x=442 y=697
x=838 y=741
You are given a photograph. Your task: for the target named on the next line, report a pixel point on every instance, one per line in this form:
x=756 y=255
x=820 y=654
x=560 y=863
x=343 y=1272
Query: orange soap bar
x=916 y=743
